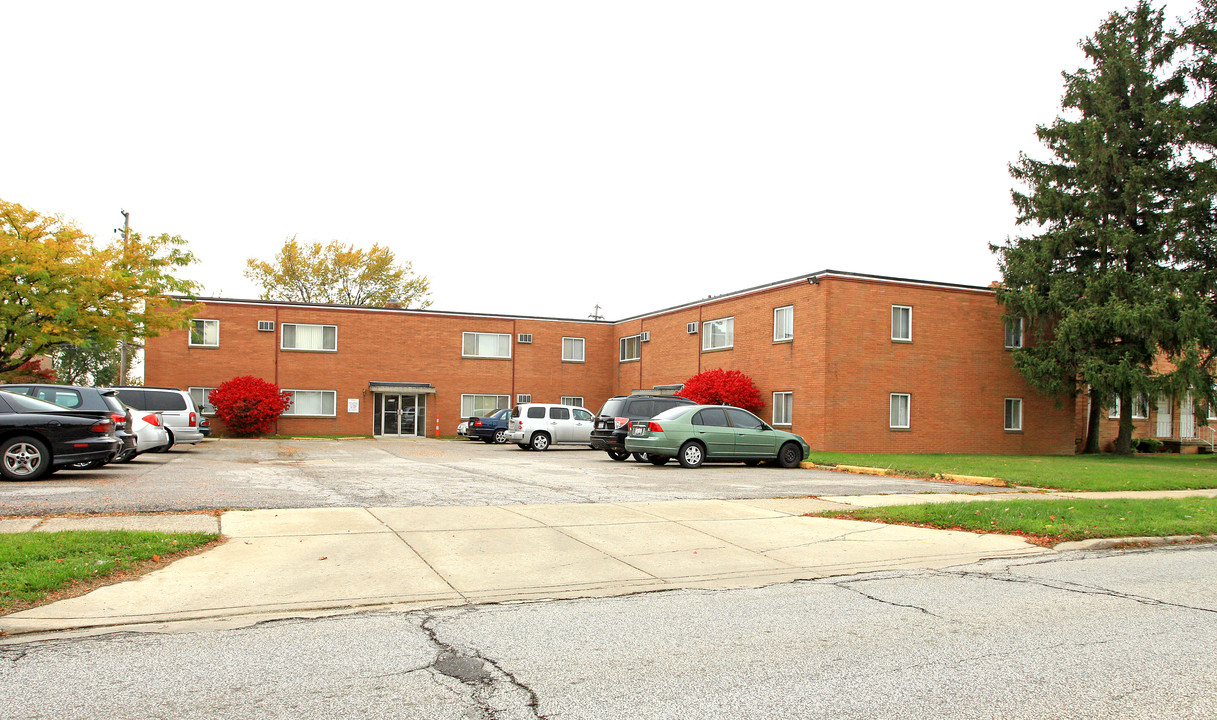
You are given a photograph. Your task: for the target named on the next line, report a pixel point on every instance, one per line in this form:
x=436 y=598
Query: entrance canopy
x=401 y=388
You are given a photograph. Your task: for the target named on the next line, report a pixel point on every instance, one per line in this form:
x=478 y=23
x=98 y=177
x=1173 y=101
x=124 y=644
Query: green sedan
x=694 y=434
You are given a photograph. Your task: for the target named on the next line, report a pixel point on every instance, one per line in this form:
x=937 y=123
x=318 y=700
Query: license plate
x=639 y=431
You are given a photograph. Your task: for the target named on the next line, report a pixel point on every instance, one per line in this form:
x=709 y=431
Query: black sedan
x=38 y=437
x=93 y=401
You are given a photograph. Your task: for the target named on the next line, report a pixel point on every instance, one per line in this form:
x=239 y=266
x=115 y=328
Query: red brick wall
x=841 y=364
x=384 y=345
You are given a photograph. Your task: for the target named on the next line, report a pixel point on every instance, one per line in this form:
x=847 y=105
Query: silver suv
x=536 y=426
x=175 y=406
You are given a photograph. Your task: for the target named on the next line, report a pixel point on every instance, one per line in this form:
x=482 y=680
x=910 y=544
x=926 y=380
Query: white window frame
x=572 y=400
x=788 y=406
x=624 y=343
x=288 y=412
x=283 y=337
x=908 y=411
x=582 y=345
x=505 y=401
x=200 y=402
x=784 y=335
x=1006 y=416
x=1113 y=407
x=1213 y=406
x=909 y=308
x=707 y=335
x=206 y=324
x=1014 y=340
x=487 y=357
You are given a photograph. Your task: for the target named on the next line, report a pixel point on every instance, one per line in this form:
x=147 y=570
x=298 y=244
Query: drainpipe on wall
x=278 y=330
x=511 y=400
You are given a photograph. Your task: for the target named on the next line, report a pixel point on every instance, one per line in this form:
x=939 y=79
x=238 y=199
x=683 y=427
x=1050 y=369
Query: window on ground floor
x=782 y=410
x=483 y=405
x=572 y=400
x=1140 y=406
x=899 y=411
x=311 y=403
x=1014 y=413
x=202 y=399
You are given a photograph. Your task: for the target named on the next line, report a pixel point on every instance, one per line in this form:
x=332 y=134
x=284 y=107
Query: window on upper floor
x=298 y=336
x=572 y=349
x=204 y=333
x=311 y=403
x=1014 y=333
x=718 y=334
x=902 y=323
x=783 y=323
x=485 y=345
x=631 y=348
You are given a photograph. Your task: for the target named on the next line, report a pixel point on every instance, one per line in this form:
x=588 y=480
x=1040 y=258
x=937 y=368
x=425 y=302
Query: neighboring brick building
x=852 y=362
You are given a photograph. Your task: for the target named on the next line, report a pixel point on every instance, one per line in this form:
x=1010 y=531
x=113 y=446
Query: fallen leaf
x=156 y=558
x=324 y=557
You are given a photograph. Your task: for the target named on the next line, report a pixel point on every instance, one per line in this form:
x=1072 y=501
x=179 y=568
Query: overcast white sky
x=542 y=157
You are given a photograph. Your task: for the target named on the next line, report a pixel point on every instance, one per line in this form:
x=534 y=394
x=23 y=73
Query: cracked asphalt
x=230 y=474
x=1127 y=634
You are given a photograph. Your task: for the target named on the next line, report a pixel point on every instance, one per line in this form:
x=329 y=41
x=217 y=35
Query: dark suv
x=613 y=422
x=95 y=401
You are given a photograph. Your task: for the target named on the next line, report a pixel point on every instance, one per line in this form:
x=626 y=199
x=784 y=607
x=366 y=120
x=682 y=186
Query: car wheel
x=24 y=458
x=540 y=441
x=522 y=446
x=640 y=457
x=125 y=457
x=500 y=437
x=752 y=463
x=790 y=455
x=691 y=455
x=657 y=459
x=618 y=455
x=87 y=465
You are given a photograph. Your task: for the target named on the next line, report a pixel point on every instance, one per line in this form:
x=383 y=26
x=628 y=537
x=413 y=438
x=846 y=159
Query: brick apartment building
x=852 y=362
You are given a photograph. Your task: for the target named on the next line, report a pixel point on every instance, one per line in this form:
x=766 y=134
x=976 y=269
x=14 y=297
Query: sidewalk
x=280 y=563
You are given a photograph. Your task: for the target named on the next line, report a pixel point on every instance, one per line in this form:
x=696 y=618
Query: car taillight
x=152 y=420
x=619 y=423
x=654 y=427
x=477 y=423
x=193 y=419
x=118 y=419
x=102 y=426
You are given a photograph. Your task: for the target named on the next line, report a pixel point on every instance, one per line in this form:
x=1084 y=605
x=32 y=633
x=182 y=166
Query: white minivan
x=536 y=426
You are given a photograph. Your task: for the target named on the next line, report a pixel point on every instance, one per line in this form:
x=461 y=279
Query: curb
x=1108 y=543
x=972 y=479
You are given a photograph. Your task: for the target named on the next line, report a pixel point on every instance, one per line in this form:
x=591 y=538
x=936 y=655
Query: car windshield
x=673 y=413
x=24 y=403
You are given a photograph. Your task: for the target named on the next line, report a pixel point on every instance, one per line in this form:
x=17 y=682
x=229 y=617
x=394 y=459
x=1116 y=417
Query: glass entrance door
x=401 y=415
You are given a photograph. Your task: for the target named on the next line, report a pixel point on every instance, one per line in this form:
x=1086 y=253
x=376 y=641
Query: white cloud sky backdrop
x=543 y=157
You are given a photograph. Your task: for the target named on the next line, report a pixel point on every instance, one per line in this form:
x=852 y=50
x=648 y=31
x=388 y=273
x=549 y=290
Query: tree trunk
x=1092 y=424
x=1124 y=439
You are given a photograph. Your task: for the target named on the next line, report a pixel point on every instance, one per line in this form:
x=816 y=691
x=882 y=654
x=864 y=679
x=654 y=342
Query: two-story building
x=852 y=362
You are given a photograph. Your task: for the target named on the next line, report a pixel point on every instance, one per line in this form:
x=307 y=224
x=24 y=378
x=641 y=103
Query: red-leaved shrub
x=249 y=405
x=723 y=387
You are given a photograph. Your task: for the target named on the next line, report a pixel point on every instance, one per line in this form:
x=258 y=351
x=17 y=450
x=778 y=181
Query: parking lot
x=227 y=473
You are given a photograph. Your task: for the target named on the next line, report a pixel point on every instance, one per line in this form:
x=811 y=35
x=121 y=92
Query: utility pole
x=122 y=342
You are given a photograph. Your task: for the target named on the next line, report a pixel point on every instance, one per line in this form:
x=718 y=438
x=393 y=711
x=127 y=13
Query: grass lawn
x=34 y=565
x=1048 y=522
x=1062 y=472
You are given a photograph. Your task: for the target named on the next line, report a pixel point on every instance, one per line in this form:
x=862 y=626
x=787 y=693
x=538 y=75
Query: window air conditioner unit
x=524 y=338
x=691 y=328
x=523 y=399
x=645 y=336
x=266 y=325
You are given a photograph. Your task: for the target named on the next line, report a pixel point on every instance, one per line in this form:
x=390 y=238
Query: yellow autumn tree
x=59 y=288
x=338 y=273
